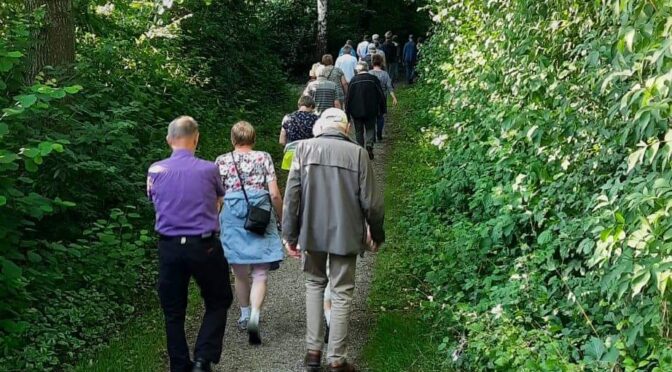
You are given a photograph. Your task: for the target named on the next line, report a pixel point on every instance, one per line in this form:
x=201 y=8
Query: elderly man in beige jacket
x=330 y=199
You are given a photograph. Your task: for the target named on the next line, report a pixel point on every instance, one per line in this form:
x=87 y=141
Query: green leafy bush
x=76 y=255
x=545 y=243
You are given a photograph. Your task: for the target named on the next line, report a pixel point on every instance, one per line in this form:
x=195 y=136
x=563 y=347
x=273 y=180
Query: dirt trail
x=283 y=319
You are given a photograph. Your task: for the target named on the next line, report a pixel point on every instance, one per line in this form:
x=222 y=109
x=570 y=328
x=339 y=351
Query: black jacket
x=366 y=98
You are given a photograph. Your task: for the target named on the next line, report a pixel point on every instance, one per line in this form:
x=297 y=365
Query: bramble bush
x=545 y=242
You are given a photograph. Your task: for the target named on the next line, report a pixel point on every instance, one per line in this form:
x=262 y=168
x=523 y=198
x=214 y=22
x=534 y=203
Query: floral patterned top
x=299 y=125
x=255 y=168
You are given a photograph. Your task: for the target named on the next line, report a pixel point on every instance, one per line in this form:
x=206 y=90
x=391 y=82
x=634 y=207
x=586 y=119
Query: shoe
x=345 y=367
x=369 y=149
x=201 y=365
x=313 y=361
x=253 y=331
x=242 y=324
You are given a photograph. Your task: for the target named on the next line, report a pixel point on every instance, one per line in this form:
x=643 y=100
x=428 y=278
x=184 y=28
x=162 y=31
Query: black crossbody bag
x=257 y=219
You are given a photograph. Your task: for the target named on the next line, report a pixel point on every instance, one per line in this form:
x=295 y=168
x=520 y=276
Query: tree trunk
x=53 y=44
x=321 y=27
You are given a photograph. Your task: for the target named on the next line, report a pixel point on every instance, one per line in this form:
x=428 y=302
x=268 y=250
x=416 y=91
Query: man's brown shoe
x=313 y=361
x=345 y=367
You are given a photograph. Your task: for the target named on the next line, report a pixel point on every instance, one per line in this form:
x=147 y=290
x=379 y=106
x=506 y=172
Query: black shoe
x=201 y=365
x=369 y=149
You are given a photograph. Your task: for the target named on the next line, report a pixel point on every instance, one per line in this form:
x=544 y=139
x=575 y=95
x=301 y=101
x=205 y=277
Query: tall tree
x=54 y=42
x=321 y=27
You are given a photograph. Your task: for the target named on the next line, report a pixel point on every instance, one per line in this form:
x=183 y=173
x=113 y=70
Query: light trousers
x=341 y=282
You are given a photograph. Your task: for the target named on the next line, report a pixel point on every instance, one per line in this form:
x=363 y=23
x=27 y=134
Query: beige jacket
x=331 y=194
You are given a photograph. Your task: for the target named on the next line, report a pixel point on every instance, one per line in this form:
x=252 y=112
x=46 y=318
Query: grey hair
x=182 y=127
x=362 y=66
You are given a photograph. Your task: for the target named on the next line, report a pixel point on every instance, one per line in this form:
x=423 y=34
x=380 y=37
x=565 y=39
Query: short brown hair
x=327 y=60
x=307 y=101
x=377 y=60
x=243 y=134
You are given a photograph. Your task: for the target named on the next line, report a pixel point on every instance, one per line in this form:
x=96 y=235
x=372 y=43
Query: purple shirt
x=184 y=190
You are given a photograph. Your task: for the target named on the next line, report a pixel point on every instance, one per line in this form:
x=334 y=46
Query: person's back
x=330 y=198
x=347 y=64
x=186 y=193
x=324 y=92
x=391 y=51
x=365 y=97
x=185 y=175
x=362 y=47
x=410 y=52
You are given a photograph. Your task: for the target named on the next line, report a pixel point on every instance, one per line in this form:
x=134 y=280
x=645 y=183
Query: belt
x=184 y=238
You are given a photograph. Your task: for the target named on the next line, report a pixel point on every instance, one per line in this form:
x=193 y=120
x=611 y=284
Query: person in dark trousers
x=410 y=58
x=365 y=101
x=187 y=195
x=391 y=55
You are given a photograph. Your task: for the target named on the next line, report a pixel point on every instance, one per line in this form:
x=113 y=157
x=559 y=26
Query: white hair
x=182 y=127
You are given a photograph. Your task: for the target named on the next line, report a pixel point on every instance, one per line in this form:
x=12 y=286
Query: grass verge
x=400 y=341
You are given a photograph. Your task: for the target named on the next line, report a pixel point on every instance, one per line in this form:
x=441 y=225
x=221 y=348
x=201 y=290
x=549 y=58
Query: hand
x=394 y=101
x=374 y=247
x=292 y=250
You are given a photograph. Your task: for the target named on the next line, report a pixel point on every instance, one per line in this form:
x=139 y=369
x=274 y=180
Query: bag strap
x=242 y=183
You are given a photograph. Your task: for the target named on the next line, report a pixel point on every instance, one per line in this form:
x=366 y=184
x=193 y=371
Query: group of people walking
x=359 y=82
x=212 y=217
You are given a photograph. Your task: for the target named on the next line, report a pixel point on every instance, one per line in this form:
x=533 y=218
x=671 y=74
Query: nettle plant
x=557 y=117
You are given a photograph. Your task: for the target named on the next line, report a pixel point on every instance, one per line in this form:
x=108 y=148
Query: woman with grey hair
x=249 y=181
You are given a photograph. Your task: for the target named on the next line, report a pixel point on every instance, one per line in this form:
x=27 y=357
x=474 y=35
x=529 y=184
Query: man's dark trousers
x=179 y=260
x=365 y=131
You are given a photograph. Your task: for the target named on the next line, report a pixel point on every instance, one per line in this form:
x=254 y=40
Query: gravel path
x=283 y=319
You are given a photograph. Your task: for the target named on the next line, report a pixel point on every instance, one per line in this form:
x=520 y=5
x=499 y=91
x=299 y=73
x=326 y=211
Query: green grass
x=399 y=342
x=141 y=345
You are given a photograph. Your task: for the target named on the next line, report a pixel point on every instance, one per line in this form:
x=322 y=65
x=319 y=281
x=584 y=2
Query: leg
x=359 y=131
x=211 y=272
x=379 y=127
x=342 y=282
x=370 y=131
x=242 y=285
x=315 y=266
x=327 y=307
x=173 y=287
x=259 y=279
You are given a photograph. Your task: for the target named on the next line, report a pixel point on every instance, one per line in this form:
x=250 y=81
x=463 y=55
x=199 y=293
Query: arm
x=276 y=198
x=337 y=104
x=390 y=88
x=283 y=137
x=371 y=200
x=344 y=84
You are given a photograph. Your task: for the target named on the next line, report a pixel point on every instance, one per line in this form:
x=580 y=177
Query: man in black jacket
x=365 y=101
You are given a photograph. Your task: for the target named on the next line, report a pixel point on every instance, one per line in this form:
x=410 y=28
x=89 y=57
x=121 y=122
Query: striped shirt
x=323 y=92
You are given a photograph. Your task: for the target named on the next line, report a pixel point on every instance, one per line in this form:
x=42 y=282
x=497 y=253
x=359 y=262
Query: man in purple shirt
x=187 y=194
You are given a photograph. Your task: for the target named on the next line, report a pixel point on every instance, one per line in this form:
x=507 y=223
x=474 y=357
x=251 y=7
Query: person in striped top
x=323 y=91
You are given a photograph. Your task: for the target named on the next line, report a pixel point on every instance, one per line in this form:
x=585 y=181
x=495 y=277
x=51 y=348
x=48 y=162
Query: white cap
x=331 y=118
x=375 y=37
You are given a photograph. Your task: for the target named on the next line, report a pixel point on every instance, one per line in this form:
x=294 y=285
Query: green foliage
x=544 y=244
x=76 y=256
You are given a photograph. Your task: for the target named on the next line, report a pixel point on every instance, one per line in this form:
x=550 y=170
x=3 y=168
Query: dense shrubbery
x=547 y=240
x=75 y=249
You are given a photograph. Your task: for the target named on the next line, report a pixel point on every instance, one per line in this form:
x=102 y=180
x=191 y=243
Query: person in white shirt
x=347 y=63
x=362 y=48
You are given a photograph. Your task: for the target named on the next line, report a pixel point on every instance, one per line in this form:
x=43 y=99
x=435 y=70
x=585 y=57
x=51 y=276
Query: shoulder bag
x=257 y=219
